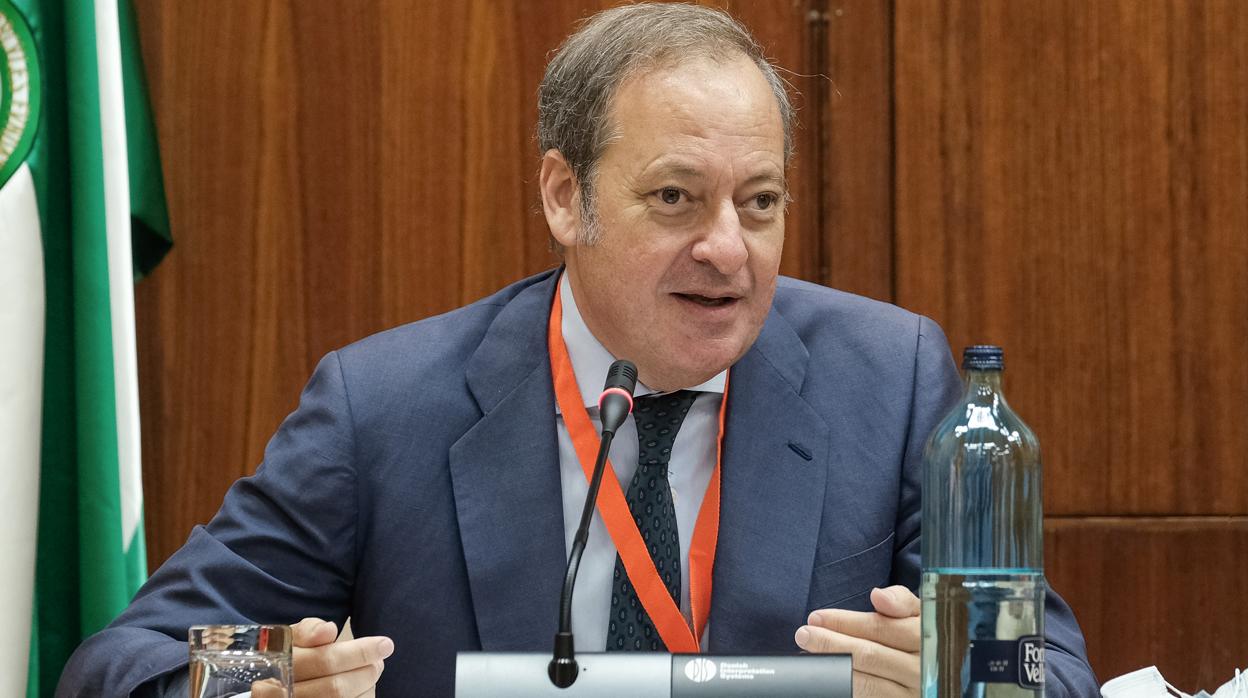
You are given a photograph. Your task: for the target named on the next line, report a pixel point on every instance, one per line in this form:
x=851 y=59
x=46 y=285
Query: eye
x=670 y=195
x=765 y=201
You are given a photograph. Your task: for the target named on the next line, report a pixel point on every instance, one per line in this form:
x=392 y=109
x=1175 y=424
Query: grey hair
x=581 y=80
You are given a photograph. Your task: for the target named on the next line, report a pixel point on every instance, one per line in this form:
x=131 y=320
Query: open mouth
x=707 y=301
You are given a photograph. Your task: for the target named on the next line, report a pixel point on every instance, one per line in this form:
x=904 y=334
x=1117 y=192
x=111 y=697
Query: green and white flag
x=82 y=215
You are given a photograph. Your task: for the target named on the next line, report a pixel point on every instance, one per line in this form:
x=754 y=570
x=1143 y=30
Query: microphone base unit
x=656 y=674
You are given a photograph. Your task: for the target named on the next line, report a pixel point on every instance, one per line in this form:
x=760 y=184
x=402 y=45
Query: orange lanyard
x=613 y=507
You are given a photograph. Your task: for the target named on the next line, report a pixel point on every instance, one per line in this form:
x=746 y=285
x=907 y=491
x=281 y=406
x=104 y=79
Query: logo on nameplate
x=700 y=670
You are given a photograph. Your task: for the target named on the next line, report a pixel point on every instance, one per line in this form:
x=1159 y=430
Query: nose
x=721 y=244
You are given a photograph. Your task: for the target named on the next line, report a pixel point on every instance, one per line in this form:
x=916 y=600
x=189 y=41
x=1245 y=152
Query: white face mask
x=1141 y=683
x=1148 y=683
x=1235 y=688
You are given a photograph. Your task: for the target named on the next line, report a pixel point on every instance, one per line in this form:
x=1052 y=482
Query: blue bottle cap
x=983 y=357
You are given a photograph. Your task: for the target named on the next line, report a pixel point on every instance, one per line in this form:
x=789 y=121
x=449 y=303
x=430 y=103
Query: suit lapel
x=776 y=451
x=505 y=478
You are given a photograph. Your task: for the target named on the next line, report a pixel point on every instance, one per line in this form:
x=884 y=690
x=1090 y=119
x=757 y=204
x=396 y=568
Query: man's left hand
x=885 y=644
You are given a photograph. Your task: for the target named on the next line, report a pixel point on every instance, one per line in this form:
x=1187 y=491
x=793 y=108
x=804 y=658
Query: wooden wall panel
x=856 y=174
x=1072 y=183
x=1163 y=591
x=219 y=319
x=334 y=76
x=335 y=170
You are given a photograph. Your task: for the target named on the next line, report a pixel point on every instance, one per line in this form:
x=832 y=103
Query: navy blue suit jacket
x=416 y=490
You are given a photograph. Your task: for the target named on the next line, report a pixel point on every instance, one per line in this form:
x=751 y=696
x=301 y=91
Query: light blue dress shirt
x=689 y=472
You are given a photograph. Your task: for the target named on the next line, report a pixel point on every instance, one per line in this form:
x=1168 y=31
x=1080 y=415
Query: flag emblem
x=19 y=90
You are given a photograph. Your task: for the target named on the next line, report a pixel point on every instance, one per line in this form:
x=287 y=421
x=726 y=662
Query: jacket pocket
x=847 y=582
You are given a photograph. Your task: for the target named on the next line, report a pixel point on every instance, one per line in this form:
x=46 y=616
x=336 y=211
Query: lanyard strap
x=613 y=507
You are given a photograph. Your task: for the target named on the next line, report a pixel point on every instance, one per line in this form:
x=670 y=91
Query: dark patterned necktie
x=649 y=496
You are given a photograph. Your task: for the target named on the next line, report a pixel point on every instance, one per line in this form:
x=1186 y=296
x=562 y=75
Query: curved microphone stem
x=582 y=534
x=613 y=407
x=563 y=668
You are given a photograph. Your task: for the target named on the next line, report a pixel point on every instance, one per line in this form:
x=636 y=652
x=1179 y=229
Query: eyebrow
x=768 y=178
x=676 y=169
x=673 y=169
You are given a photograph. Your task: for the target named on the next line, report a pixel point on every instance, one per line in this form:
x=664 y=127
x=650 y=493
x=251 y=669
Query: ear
x=561 y=198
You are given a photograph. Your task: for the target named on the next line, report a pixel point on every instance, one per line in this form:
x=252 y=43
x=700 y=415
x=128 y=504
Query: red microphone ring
x=621 y=391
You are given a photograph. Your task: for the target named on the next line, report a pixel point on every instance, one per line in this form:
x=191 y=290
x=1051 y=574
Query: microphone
x=614 y=405
x=616 y=400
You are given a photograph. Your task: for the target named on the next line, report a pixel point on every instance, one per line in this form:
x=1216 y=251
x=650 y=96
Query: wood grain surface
x=1167 y=591
x=1072 y=183
x=856 y=175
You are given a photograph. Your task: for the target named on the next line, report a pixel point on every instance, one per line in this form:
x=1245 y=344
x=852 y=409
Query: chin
x=694 y=370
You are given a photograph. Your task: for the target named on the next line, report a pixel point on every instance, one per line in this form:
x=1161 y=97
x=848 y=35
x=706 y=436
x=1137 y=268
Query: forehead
x=697 y=104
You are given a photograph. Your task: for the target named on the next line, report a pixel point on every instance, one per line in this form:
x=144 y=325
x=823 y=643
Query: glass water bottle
x=983 y=582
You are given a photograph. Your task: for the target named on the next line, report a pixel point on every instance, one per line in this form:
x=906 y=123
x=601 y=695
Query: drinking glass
x=233 y=660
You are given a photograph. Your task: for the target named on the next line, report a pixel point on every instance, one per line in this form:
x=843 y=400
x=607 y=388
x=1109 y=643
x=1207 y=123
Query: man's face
x=690 y=198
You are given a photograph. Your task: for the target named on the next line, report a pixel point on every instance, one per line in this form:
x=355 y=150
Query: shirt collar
x=590 y=360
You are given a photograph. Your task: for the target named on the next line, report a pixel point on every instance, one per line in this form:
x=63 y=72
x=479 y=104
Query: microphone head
x=622 y=374
x=616 y=401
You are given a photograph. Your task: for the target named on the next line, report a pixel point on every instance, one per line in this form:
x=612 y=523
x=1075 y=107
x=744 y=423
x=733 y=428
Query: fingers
x=313 y=632
x=348 y=684
x=899 y=633
x=868 y=686
x=341 y=657
x=896 y=601
x=268 y=688
x=870 y=657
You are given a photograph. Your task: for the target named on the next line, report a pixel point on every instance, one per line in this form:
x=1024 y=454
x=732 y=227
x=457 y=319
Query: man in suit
x=429 y=483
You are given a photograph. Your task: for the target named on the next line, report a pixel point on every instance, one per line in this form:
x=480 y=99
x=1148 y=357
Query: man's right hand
x=324 y=668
